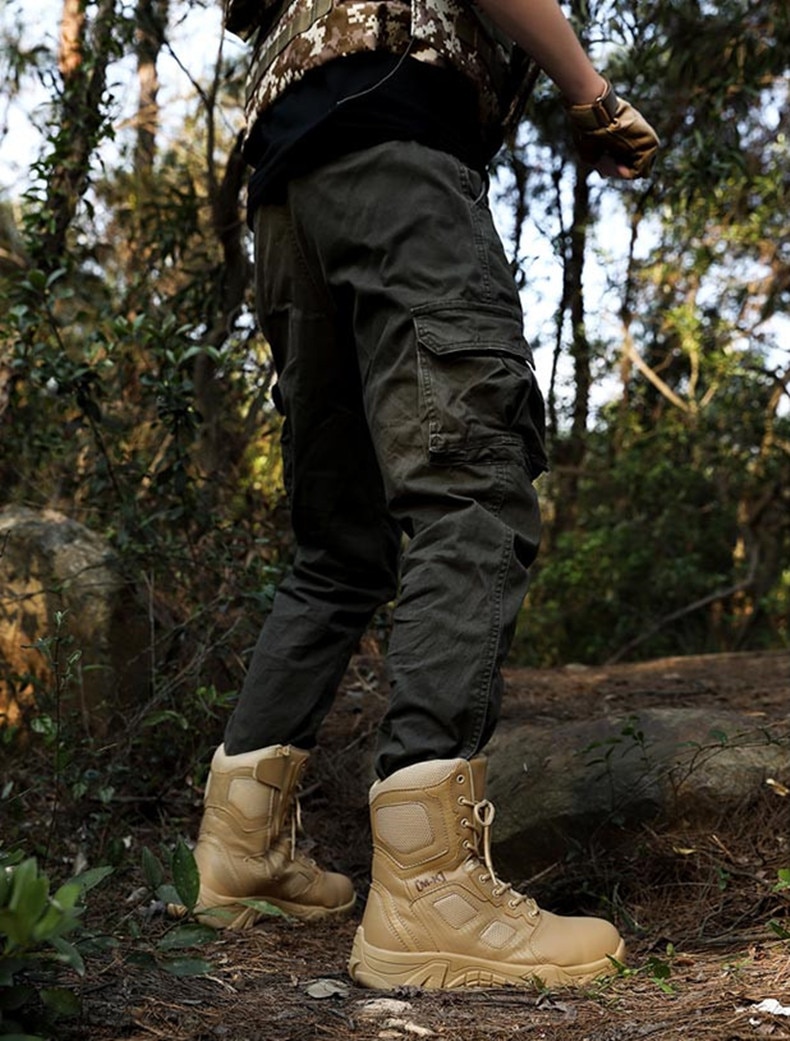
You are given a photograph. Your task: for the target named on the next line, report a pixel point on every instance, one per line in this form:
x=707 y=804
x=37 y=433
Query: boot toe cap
x=578 y=943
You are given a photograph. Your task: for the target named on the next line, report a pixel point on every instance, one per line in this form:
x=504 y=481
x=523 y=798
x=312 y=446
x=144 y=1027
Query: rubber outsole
x=221 y=912
x=438 y=970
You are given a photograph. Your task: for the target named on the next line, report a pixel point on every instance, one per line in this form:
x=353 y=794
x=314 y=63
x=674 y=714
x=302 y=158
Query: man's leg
x=347 y=545
x=406 y=245
x=404 y=239
x=345 y=567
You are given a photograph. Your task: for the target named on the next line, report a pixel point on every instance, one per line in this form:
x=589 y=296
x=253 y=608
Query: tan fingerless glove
x=610 y=126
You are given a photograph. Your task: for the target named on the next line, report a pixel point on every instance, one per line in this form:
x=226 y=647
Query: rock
x=556 y=788
x=376 y=1007
x=51 y=567
x=327 y=988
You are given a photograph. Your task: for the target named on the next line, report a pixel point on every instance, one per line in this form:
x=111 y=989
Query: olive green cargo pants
x=410 y=409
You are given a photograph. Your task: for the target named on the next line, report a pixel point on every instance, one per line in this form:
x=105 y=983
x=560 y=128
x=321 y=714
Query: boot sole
x=222 y=912
x=439 y=970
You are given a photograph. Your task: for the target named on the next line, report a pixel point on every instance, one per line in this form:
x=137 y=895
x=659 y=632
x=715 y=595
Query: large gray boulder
x=59 y=581
x=559 y=787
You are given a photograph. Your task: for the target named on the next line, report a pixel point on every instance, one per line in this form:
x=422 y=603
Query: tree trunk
x=580 y=345
x=569 y=451
x=149 y=37
x=83 y=67
x=220 y=451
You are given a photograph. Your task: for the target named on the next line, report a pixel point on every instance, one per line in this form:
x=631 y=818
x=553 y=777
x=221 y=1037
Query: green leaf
x=186 y=966
x=52 y=923
x=106 y=795
x=27 y=902
x=59 y=273
x=67 y=896
x=13 y=931
x=98 y=943
x=169 y=894
x=185 y=874
x=264 y=907
x=166 y=716
x=29 y=891
x=152 y=869
x=93 y=877
x=781 y=931
x=621 y=967
x=60 y=916
x=68 y=954
x=187 y=936
x=61 y=1001
x=658 y=969
x=142 y=959
x=36 y=279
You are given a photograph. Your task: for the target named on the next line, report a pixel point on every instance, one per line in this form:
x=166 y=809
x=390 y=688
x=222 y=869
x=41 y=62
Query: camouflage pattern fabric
x=302 y=34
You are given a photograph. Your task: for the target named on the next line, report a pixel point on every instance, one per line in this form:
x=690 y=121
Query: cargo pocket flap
x=461 y=327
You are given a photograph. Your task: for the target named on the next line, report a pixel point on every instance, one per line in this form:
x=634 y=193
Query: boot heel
x=379 y=969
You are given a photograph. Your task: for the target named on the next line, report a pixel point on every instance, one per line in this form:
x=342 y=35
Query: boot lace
x=284 y=842
x=296 y=824
x=483 y=813
x=296 y=829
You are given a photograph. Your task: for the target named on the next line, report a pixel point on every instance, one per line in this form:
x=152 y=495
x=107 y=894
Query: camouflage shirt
x=294 y=36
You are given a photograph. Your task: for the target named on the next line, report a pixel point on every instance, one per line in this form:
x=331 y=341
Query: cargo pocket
x=479 y=399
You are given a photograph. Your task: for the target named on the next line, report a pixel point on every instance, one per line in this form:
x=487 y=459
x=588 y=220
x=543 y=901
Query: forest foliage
x=135 y=388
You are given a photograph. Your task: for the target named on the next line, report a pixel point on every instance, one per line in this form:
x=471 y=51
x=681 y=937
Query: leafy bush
x=34 y=924
x=662 y=555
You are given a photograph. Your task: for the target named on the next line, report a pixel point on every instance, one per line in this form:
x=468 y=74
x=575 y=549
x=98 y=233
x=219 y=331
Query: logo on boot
x=425 y=883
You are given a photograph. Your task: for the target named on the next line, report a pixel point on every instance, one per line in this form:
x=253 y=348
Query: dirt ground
x=695 y=906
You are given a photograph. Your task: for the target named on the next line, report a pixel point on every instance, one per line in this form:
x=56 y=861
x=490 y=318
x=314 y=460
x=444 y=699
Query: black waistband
x=357 y=102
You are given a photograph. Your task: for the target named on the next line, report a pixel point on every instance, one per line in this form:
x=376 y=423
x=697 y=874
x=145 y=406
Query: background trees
x=669 y=491
x=134 y=387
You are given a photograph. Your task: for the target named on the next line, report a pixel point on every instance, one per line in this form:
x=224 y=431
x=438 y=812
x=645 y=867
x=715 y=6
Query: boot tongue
x=477 y=769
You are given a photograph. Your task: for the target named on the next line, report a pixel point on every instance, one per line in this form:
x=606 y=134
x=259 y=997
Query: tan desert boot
x=246 y=845
x=437 y=915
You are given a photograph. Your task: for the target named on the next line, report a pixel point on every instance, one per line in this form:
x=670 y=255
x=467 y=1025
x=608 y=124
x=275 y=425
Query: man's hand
x=613 y=136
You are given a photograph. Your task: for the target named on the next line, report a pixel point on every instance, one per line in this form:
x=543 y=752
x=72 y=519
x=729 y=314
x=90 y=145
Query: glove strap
x=600 y=113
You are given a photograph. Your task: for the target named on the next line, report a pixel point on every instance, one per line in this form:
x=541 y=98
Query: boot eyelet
x=460 y=778
x=464 y=822
x=535 y=913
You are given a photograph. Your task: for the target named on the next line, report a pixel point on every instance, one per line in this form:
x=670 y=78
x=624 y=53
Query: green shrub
x=34 y=924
